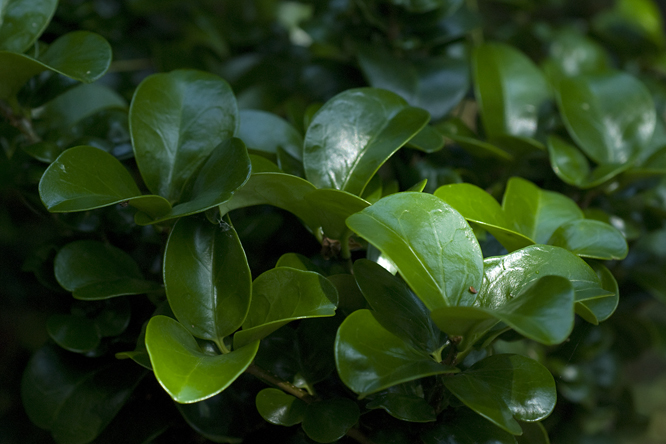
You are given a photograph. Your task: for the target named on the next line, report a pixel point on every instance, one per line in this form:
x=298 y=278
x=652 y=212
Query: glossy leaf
x=207 y=278
x=610 y=116
x=509 y=89
x=266 y=132
x=73 y=333
x=503 y=387
x=354 y=133
x=332 y=208
x=431 y=244
x=428 y=140
x=396 y=307
x=186 y=372
x=533 y=433
x=282 y=295
x=592 y=239
x=176 y=121
x=466 y=427
x=404 y=407
x=84 y=178
x=222 y=173
x=456 y=130
x=93 y=270
x=572 y=166
x=369 y=358
x=80 y=55
x=329 y=420
x=280 y=408
x=505 y=276
x=72 y=396
x=22 y=22
x=297 y=261
x=571 y=53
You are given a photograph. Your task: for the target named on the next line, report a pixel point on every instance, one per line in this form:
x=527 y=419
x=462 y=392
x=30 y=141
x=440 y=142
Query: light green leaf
x=354 y=133
x=329 y=420
x=279 y=408
x=207 y=278
x=176 y=121
x=502 y=387
x=186 y=372
x=369 y=358
x=432 y=245
x=93 y=270
x=282 y=295
x=84 y=178
x=592 y=239
x=23 y=21
x=80 y=55
x=509 y=89
x=610 y=116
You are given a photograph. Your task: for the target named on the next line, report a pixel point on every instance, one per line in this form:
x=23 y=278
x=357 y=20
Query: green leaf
x=603 y=308
x=404 y=407
x=332 y=208
x=503 y=387
x=354 y=133
x=279 y=408
x=466 y=427
x=610 y=116
x=84 y=178
x=176 y=121
x=23 y=21
x=509 y=89
x=572 y=166
x=222 y=173
x=266 y=132
x=73 y=333
x=448 y=7
x=207 y=278
x=315 y=339
x=431 y=244
x=505 y=276
x=329 y=420
x=186 y=372
x=571 y=54
x=456 y=130
x=282 y=295
x=80 y=55
x=74 y=397
x=592 y=239
x=533 y=433
x=396 y=307
x=543 y=310
x=93 y=270
x=297 y=261
x=369 y=358
x=428 y=140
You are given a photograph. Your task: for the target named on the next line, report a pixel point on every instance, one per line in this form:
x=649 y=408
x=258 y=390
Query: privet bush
x=281 y=220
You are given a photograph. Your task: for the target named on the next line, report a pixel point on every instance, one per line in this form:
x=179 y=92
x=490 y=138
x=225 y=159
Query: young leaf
x=176 y=121
x=503 y=387
x=354 y=133
x=431 y=244
x=92 y=270
x=207 y=278
x=329 y=420
x=23 y=21
x=369 y=358
x=280 y=408
x=186 y=372
x=282 y=295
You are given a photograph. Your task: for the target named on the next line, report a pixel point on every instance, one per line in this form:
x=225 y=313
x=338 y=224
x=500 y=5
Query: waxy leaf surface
x=282 y=295
x=354 y=133
x=503 y=387
x=207 y=278
x=280 y=408
x=591 y=238
x=176 y=121
x=186 y=372
x=23 y=21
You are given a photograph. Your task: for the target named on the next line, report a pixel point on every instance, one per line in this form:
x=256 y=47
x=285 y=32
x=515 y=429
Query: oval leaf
x=404 y=407
x=22 y=22
x=186 y=372
x=591 y=238
x=266 y=132
x=329 y=420
x=431 y=244
x=74 y=333
x=279 y=408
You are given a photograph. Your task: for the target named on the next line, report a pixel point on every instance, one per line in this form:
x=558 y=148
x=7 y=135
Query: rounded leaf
x=74 y=333
x=280 y=408
x=23 y=21
x=591 y=238
x=329 y=420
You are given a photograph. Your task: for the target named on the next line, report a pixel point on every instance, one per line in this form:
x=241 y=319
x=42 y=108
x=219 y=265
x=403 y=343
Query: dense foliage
x=374 y=221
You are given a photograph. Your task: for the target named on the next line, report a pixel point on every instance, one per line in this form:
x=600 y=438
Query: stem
x=223 y=348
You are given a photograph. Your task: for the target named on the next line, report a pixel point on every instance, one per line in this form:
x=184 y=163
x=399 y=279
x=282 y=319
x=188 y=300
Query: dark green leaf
x=502 y=387
x=266 y=132
x=297 y=261
x=93 y=270
x=404 y=407
x=448 y=6
x=74 y=333
x=85 y=178
x=591 y=238
x=509 y=89
x=369 y=358
x=332 y=208
x=533 y=433
x=466 y=427
x=186 y=372
x=282 y=295
x=22 y=22
x=176 y=121
x=456 y=130
x=432 y=245
x=610 y=116
x=396 y=307
x=315 y=339
x=428 y=140
x=279 y=408
x=354 y=133
x=207 y=278
x=329 y=420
